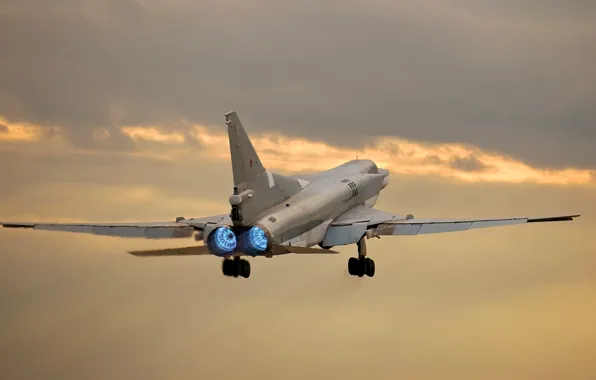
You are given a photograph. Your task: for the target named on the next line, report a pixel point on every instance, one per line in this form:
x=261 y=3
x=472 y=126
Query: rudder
x=267 y=189
x=246 y=164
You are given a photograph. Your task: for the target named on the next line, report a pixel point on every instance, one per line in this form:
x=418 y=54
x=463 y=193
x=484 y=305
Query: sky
x=113 y=111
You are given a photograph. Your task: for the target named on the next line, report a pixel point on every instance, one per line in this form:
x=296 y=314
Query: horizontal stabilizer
x=203 y=250
x=183 y=251
x=284 y=249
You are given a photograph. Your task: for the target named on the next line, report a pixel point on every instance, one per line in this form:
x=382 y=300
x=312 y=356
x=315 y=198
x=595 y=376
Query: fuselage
x=303 y=218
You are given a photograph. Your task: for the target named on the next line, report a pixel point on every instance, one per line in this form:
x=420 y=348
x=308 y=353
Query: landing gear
x=362 y=265
x=236 y=267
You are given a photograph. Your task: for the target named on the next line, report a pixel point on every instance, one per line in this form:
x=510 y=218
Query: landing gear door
x=344 y=235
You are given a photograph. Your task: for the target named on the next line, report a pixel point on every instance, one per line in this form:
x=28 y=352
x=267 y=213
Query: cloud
x=20 y=131
x=468 y=164
x=194 y=143
x=401 y=156
x=504 y=76
x=153 y=134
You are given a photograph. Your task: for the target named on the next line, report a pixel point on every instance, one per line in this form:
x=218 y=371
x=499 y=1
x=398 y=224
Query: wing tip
x=140 y=254
x=17 y=225
x=564 y=218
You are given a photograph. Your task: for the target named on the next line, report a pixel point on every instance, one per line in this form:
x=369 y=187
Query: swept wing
x=183 y=228
x=355 y=222
x=432 y=226
x=385 y=223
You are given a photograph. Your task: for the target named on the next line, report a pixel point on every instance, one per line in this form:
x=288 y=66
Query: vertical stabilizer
x=256 y=189
x=246 y=164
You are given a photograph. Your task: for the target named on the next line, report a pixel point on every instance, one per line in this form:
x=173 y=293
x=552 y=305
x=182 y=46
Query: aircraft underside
x=360 y=266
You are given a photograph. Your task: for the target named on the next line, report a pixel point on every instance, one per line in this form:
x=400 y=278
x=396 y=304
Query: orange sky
x=113 y=111
x=299 y=154
x=511 y=302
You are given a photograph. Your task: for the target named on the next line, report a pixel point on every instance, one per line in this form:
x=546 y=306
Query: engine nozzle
x=222 y=241
x=254 y=241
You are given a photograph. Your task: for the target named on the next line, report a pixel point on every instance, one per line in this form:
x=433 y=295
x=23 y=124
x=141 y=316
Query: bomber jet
x=274 y=214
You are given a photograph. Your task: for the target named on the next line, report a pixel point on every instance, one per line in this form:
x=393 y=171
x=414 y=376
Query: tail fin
x=267 y=189
x=246 y=164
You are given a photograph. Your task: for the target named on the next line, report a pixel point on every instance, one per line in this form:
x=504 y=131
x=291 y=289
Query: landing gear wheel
x=358 y=266
x=244 y=268
x=369 y=267
x=353 y=266
x=362 y=265
x=227 y=267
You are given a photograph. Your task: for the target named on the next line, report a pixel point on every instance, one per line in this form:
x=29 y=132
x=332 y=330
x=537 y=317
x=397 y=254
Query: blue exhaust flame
x=255 y=241
x=222 y=241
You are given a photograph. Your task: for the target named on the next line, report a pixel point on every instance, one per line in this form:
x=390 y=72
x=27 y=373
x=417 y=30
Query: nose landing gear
x=362 y=265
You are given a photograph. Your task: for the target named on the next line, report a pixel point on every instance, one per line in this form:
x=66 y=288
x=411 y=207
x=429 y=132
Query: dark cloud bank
x=516 y=78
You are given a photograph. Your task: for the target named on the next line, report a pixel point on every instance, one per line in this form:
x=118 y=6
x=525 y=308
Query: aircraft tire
x=361 y=266
x=353 y=266
x=227 y=267
x=244 y=268
x=369 y=267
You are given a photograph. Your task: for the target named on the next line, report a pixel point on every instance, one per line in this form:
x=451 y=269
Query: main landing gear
x=236 y=267
x=362 y=265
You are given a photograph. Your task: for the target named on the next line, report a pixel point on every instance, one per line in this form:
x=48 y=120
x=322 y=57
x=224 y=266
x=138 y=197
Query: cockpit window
x=373 y=168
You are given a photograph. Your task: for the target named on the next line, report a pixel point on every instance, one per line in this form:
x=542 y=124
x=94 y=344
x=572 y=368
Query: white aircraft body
x=273 y=214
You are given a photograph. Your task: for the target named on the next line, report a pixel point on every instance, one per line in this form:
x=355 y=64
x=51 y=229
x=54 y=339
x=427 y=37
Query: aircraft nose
x=385 y=174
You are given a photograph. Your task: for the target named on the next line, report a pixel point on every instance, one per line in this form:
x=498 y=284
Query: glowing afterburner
x=254 y=241
x=222 y=241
